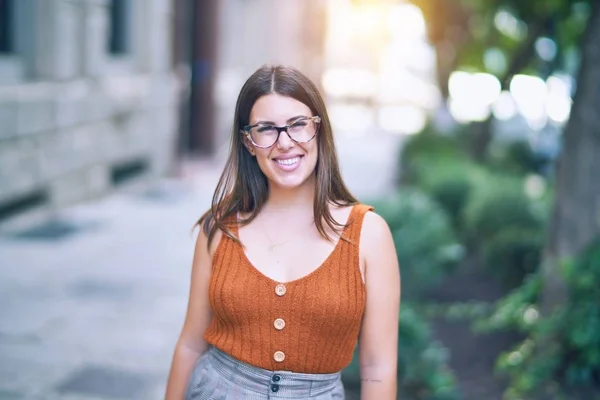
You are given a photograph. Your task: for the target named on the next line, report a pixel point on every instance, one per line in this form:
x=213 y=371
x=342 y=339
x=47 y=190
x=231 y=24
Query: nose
x=284 y=141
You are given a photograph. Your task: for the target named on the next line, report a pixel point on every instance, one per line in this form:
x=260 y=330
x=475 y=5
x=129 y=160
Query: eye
x=299 y=123
x=265 y=129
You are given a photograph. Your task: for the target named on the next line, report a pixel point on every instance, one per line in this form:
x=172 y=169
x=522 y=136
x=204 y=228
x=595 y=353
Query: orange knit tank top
x=309 y=325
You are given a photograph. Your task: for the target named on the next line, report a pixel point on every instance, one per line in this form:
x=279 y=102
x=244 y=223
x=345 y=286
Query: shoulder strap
x=355 y=221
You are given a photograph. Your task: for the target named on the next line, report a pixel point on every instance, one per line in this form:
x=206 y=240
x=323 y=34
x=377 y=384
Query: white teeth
x=289 y=161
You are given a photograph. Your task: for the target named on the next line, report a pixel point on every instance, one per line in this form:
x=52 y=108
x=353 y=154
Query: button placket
x=279 y=324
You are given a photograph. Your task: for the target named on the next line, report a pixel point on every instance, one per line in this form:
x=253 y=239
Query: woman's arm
x=191 y=344
x=378 y=342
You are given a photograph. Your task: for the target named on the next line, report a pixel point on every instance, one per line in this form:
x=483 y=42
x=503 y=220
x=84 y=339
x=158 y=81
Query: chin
x=290 y=182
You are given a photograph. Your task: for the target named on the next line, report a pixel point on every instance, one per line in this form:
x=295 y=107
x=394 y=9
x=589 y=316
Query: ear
x=248 y=144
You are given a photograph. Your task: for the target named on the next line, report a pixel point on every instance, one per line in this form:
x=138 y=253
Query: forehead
x=277 y=108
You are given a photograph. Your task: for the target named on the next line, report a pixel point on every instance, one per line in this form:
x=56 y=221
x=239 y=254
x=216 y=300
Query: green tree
x=499 y=37
x=469 y=29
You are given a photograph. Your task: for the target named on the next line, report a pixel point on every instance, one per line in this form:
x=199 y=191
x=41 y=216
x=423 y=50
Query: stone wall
x=76 y=120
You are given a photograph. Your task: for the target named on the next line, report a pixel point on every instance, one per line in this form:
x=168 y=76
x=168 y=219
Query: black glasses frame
x=315 y=119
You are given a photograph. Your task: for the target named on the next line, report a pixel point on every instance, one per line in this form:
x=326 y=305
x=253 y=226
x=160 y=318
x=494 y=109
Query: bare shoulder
x=375 y=228
x=377 y=243
x=202 y=241
x=215 y=242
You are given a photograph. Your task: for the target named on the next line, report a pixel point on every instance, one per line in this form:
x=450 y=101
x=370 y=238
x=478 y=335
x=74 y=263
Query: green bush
x=561 y=351
x=516 y=157
x=450 y=185
x=431 y=143
x=423 y=373
x=512 y=254
x=452 y=194
x=500 y=203
x=425 y=242
x=506 y=227
x=428 y=148
x=438 y=164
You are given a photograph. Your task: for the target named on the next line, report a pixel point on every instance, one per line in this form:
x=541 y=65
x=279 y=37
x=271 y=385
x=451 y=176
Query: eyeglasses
x=302 y=130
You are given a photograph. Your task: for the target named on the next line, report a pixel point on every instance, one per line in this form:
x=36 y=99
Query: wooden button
x=280 y=289
x=279 y=324
x=279 y=356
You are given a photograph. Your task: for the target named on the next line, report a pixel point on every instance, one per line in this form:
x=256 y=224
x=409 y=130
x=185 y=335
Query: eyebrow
x=288 y=120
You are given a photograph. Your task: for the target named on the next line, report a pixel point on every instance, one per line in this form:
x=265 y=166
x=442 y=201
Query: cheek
x=263 y=159
x=314 y=152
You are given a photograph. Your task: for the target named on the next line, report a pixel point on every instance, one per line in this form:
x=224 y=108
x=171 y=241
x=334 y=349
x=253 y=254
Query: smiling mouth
x=288 y=161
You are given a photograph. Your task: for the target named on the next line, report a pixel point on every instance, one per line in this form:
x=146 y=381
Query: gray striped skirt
x=218 y=376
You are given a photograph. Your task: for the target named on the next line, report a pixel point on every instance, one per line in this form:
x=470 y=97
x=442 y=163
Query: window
x=7 y=45
x=15 y=40
x=119 y=27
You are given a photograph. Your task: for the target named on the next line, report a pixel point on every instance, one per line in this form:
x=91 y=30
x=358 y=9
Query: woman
x=289 y=270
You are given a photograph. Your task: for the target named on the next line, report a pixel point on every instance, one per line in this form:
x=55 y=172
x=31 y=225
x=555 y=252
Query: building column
x=202 y=136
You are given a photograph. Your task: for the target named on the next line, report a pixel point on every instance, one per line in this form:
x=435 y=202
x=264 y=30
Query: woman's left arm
x=378 y=341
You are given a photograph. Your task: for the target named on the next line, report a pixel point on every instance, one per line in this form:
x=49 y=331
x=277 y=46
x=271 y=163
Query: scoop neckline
x=317 y=269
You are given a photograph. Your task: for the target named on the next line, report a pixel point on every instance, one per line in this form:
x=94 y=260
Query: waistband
x=283 y=383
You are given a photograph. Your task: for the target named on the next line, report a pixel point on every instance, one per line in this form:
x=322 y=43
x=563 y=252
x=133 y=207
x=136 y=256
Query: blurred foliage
x=452 y=192
x=513 y=253
x=432 y=143
x=424 y=239
x=438 y=165
x=561 y=352
x=499 y=202
x=509 y=311
x=516 y=157
x=422 y=363
x=507 y=226
x=487 y=204
x=471 y=310
x=498 y=206
x=472 y=28
x=426 y=150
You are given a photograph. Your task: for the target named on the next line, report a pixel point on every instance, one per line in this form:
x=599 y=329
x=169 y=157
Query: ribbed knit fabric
x=322 y=311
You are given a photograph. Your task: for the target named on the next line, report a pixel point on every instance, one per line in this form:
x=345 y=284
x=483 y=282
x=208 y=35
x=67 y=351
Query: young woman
x=289 y=270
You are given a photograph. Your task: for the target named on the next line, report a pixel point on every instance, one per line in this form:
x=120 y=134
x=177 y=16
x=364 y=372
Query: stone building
x=87 y=99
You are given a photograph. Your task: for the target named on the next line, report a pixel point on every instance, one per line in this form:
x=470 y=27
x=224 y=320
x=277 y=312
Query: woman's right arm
x=191 y=344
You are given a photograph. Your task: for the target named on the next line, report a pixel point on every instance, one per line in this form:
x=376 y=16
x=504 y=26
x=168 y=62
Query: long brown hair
x=243 y=187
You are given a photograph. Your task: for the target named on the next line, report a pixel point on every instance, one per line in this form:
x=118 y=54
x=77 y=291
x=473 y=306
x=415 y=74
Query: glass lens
x=302 y=130
x=263 y=135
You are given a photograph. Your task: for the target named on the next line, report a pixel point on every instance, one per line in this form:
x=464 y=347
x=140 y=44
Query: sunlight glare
x=349 y=82
x=352 y=120
x=406 y=21
x=402 y=119
x=504 y=108
x=530 y=94
x=471 y=95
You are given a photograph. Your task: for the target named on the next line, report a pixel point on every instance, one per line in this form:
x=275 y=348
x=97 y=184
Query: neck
x=297 y=199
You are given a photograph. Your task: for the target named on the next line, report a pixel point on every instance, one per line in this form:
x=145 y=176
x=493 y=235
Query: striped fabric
x=218 y=376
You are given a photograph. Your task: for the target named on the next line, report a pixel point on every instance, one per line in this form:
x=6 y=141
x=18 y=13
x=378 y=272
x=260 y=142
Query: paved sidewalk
x=94 y=313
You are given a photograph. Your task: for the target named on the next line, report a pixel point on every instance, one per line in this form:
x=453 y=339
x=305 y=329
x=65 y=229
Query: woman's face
x=286 y=164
